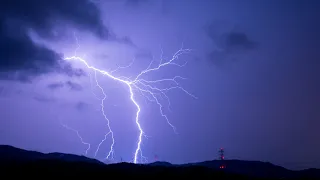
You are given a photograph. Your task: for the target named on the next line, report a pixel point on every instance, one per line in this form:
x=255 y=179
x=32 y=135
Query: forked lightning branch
x=136 y=86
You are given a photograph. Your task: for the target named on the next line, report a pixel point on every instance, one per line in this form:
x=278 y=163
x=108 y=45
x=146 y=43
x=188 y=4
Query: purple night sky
x=253 y=68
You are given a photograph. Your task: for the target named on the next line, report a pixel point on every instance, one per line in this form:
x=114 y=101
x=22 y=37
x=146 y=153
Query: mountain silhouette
x=252 y=168
x=13 y=154
x=19 y=159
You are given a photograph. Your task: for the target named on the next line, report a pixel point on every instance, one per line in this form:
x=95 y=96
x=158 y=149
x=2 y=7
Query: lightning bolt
x=145 y=87
x=111 y=151
x=79 y=136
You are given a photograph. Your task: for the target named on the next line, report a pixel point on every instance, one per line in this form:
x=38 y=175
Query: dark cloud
x=227 y=39
x=82 y=106
x=126 y=40
x=42 y=15
x=42 y=98
x=67 y=69
x=123 y=40
x=238 y=40
x=74 y=86
x=69 y=84
x=20 y=53
x=229 y=44
x=55 y=86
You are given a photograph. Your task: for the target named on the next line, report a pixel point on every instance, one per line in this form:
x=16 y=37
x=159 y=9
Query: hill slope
x=72 y=165
x=13 y=154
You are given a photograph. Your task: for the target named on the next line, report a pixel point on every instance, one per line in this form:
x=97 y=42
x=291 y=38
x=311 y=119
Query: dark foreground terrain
x=22 y=163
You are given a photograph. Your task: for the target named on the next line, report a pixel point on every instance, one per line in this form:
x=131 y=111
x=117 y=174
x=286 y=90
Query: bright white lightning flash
x=144 y=87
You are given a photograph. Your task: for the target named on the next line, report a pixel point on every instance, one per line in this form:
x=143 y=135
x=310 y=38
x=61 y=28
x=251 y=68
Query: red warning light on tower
x=221 y=154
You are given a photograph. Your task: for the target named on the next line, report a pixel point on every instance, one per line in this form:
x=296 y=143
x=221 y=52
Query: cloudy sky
x=250 y=79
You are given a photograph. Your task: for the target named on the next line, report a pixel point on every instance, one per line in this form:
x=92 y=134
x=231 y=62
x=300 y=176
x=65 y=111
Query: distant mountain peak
x=10 y=153
x=161 y=163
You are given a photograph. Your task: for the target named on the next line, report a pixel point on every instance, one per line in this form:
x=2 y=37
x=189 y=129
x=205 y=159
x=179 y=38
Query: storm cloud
x=19 y=53
x=229 y=43
x=73 y=86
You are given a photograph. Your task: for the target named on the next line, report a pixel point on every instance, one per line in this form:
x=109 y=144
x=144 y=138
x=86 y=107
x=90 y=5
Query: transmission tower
x=221 y=154
x=221 y=158
x=156 y=158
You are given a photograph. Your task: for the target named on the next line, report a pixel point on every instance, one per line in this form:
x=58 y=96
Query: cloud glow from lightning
x=136 y=84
